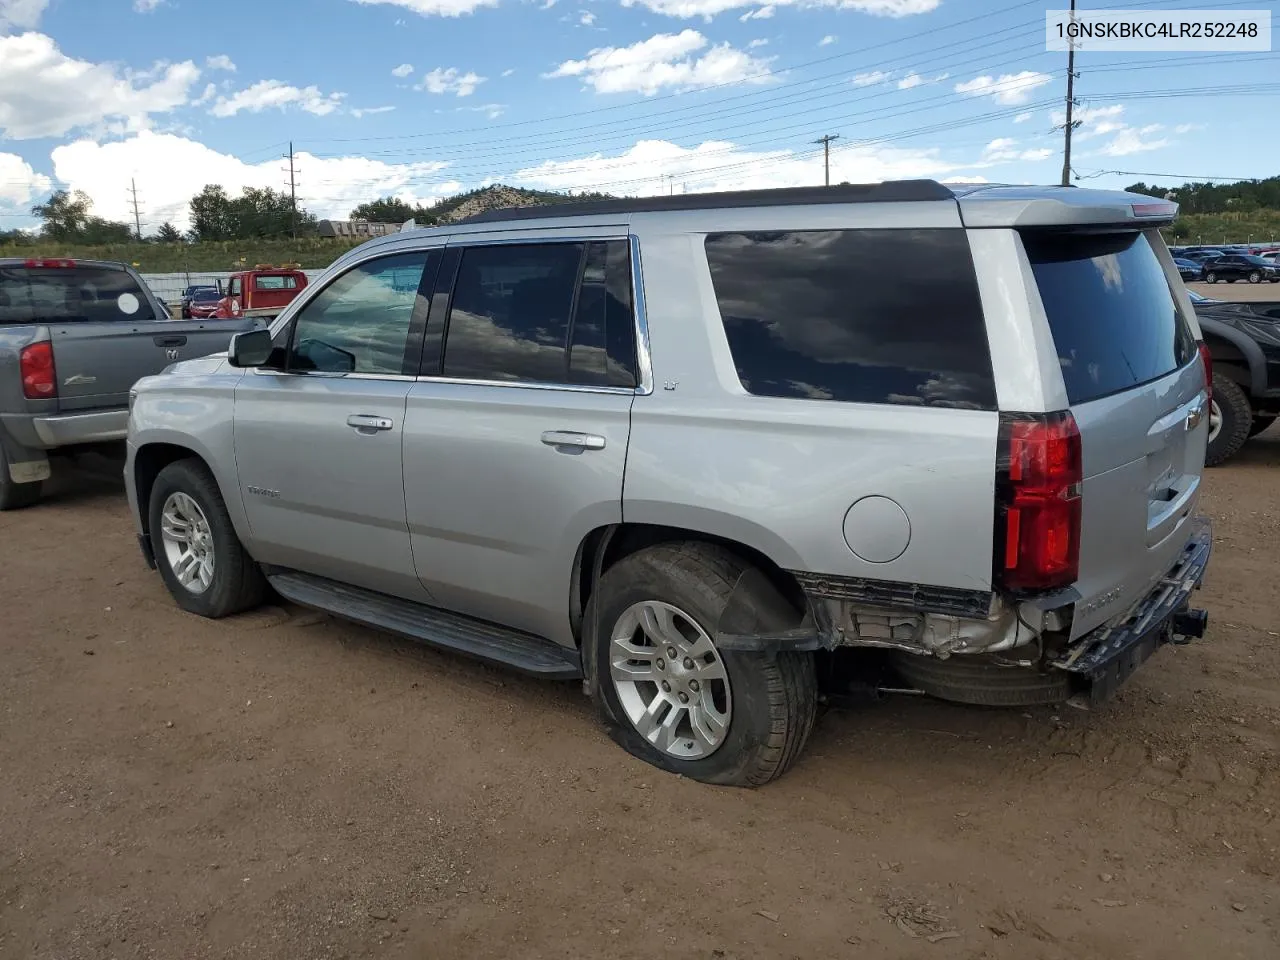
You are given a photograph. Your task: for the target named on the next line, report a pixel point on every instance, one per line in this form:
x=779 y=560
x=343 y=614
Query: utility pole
x=137 y=215
x=1070 y=125
x=293 y=195
x=826 y=156
x=671 y=183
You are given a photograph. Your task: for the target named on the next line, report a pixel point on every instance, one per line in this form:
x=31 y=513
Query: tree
x=392 y=210
x=64 y=214
x=168 y=233
x=257 y=212
x=211 y=215
x=99 y=231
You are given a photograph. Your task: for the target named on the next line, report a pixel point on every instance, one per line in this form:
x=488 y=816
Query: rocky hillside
x=500 y=197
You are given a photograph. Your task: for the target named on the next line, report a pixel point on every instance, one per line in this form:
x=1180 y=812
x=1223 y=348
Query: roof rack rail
x=891 y=191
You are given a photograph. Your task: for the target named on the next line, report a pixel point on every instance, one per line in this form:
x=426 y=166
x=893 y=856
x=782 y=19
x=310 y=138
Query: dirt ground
x=284 y=785
x=1240 y=290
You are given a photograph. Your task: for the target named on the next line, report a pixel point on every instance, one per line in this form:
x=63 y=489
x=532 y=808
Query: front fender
x=1242 y=342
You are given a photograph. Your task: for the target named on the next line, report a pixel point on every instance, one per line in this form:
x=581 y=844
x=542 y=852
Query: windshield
x=206 y=295
x=70 y=295
x=1114 y=319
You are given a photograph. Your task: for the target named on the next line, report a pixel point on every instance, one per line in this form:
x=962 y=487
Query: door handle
x=169 y=341
x=364 y=421
x=571 y=438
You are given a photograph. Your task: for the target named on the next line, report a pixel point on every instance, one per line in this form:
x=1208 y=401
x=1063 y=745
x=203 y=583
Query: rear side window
x=1114 y=320
x=543 y=313
x=864 y=316
x=70 y=295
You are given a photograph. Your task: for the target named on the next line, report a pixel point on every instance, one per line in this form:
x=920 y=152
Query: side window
x=602 y=343
x=865 y=316
x=509 y=319
x=360 y=322
x=233 y=290
x=276 y=283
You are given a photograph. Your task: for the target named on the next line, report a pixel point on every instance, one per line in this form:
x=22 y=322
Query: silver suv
x=720 y=456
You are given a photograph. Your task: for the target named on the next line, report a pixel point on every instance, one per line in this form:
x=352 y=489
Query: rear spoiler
x=1018 y=207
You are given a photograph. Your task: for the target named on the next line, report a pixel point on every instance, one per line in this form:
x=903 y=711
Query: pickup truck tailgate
x=97 y=363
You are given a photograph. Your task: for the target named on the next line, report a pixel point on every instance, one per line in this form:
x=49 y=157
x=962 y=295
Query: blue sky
x=422 y=98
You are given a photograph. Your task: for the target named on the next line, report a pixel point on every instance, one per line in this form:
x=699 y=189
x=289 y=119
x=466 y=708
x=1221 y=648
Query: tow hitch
x=1188 y=625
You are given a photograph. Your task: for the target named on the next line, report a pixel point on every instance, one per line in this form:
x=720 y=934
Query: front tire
x=723 y=717
x=1230 y=418
x=1210 y=277
x=199 y=556
x=1255 y=277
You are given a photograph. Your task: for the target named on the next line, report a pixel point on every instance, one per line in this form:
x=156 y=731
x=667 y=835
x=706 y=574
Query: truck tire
x=981 y=681
x=16 y=496
x=199 y=556
x=722 y=717
x=1260 y=423
x=1230 y=419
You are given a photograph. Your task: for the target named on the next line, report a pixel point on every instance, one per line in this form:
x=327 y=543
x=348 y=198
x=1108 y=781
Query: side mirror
x=250 y=349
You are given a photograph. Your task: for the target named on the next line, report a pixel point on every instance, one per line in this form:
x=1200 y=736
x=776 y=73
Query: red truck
x=261 y=292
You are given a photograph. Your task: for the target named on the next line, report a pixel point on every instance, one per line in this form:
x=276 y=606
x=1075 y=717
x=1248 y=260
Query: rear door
x=1135 y=386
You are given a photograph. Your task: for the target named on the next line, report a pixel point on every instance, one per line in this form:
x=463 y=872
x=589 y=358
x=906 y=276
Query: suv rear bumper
x=68 y=429
x=1105 y=658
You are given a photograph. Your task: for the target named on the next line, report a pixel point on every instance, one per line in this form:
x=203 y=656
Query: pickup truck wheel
x=15 y=496
x=668 y=695
x=1230 y=418
x=200 y=558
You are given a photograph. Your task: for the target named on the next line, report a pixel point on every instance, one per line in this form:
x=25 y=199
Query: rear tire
x=679 y=590
x=16 y=496
x=1255 y=277
x=982 y=681
x=235 y=582
x=1235 y=416
x=1210 y=277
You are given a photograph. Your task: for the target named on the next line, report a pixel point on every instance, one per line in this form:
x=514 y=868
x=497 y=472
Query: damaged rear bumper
x=1102 y=660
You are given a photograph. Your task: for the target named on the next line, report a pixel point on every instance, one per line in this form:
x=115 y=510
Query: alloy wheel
x=188 y=542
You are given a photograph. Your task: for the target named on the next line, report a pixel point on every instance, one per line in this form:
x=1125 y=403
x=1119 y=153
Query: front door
x=516 y=435
x=319 y=443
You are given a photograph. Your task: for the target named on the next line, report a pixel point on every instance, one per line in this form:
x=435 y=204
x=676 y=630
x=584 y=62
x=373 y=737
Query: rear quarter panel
x=780 y=475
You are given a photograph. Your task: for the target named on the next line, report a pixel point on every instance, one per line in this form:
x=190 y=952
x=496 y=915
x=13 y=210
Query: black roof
x=894 y=191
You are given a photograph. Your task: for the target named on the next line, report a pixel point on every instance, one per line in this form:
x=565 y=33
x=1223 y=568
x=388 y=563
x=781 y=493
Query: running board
x=451 y=631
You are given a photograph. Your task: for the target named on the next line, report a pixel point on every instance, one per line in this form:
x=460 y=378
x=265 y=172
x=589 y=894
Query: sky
x=420 y=99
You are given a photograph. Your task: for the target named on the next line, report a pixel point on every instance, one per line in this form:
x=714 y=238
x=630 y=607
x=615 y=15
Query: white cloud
x=402 y=71
x=757 y=44
x=1135 y=140
x=664 y=60
x=1008 y=89
x=21 y=14
x=359 y=112
x=273 y=94
x=586 y=18
x=721 y=165
x=869 y=79
x=1023 y=117
x=508 y=72
x=20 y=185
x=146 y=6
x=909 y=81
x=829 y=39
x=210 y=91
x=221 y=62
x=45 y=93
x=173 y=169
x=451 y=80
x=709 y=8
x=1005 y=149
x=491 y=110
x=434 y=8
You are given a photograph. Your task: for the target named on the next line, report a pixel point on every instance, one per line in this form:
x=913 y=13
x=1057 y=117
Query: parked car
x=1201 y=254
x=700 y=450
x=190 y=294
x=261 y=292
x=74 y=336
x=1188 y=270
x=1239 y=266
x=203 y=304
x=1244 y=343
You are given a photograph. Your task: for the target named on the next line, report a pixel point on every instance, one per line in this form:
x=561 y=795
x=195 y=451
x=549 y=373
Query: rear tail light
x=1039 y=479
x=61 y=264
x=39 y=379
x=1206 y=359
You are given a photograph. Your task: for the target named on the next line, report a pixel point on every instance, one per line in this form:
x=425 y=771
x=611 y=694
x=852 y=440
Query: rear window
x=864 y=316
x=1114 y=320
x=70 y=295
x=277 y=282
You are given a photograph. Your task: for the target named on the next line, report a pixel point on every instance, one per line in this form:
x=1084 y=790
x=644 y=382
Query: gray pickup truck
x=75 y=335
